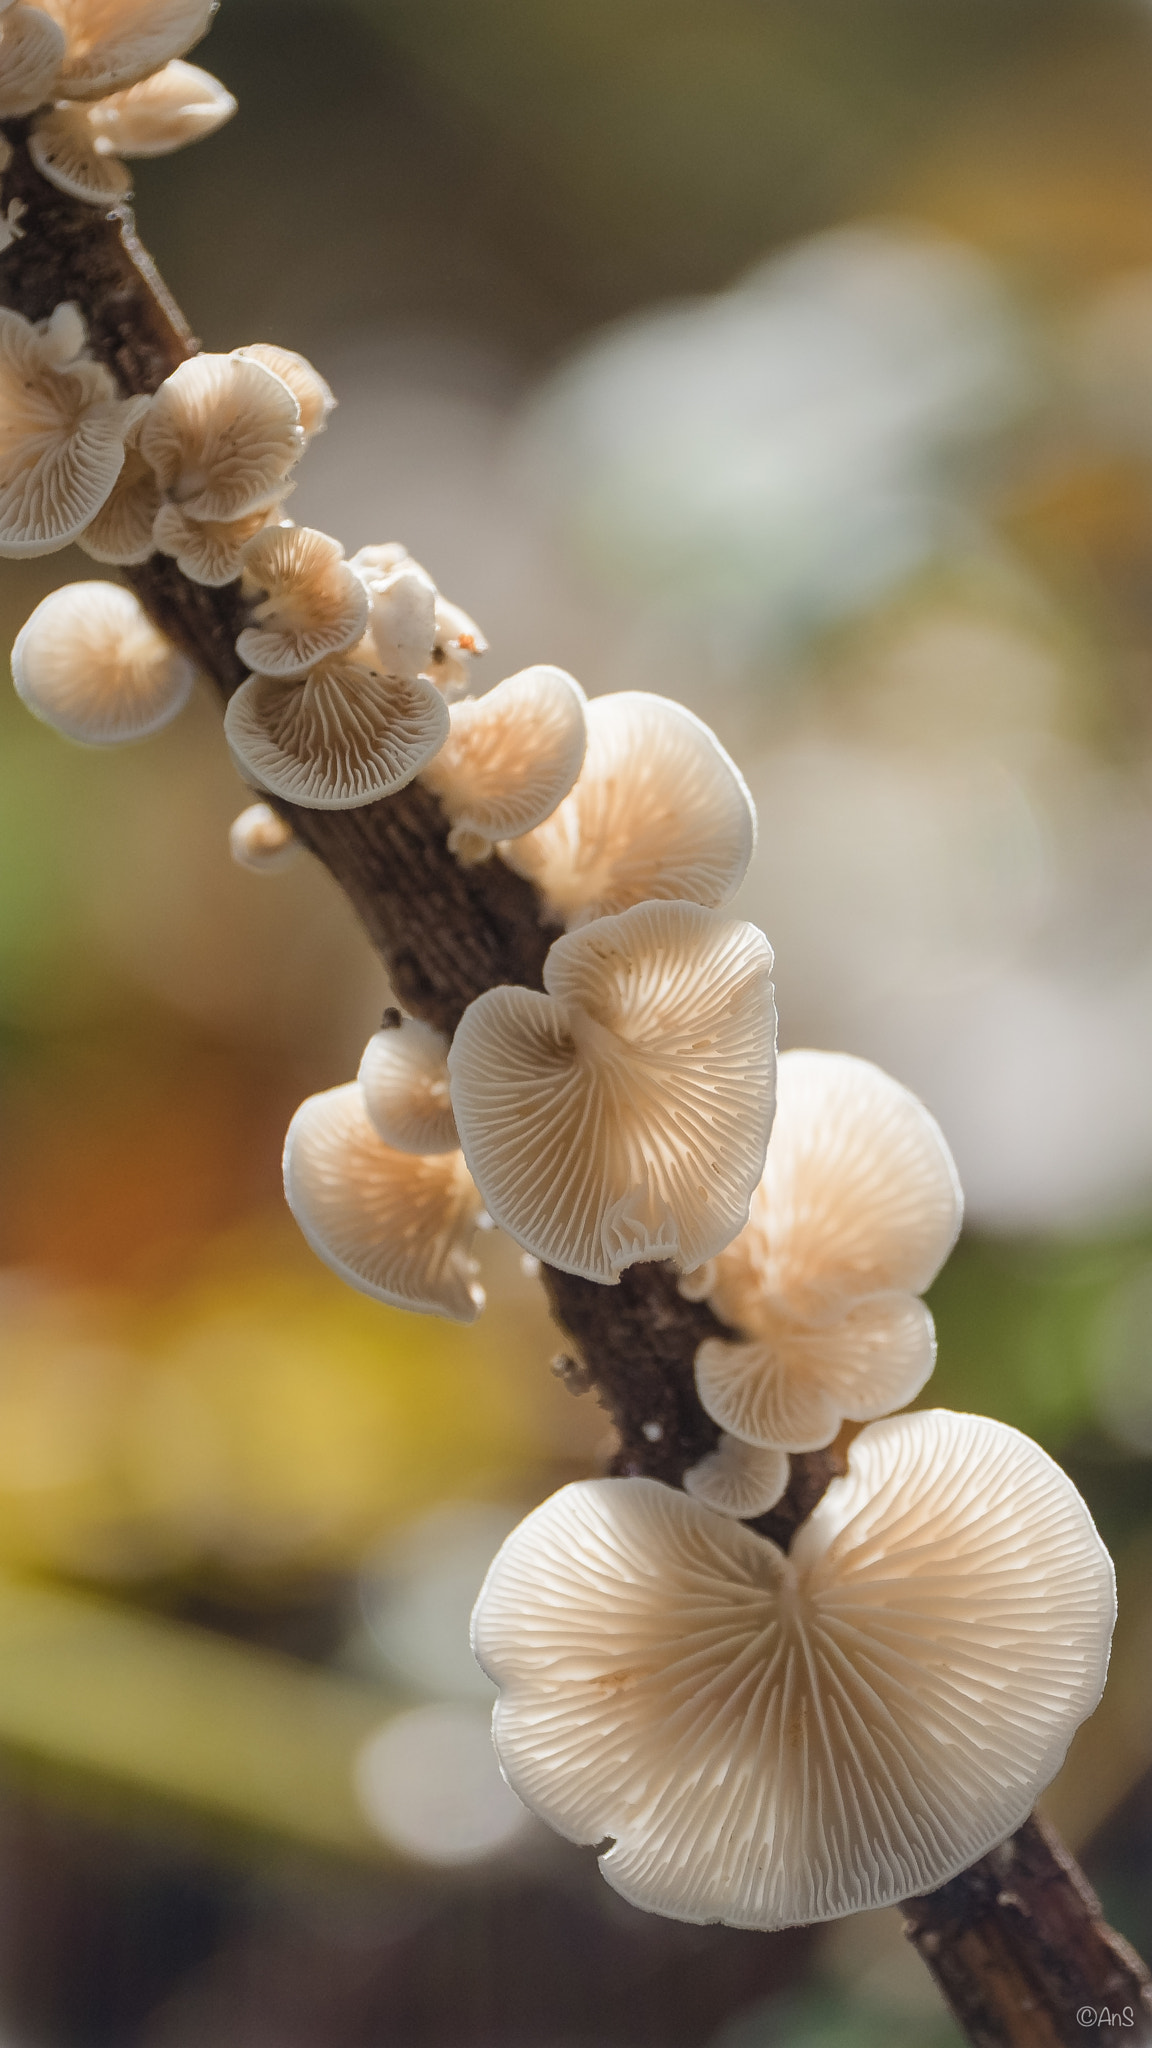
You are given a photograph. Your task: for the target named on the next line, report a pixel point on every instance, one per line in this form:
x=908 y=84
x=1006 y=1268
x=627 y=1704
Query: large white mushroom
x=857 y=1209
x=343 y=736
x=110 y=44
x=623 y=1115
x=308 y=604
x=62 y=432
x=78 y=146
x=404 y=1076
x=659 y=810
x=769 y=1740
x=510 y=758
x=395 y=1225
x=90 y=662
x=222 y=433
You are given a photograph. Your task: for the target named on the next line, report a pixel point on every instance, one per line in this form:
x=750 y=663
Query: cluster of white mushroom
x=104 y=80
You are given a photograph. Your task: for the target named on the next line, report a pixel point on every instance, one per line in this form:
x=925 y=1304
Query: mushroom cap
x=397 y=1226
x=314 y=397
x=341 y=738
x=402 y=621
x=122 y=531
x=659 y=811
x=210 y=551
x=90 y=662
x=113 y=43
x=260 y=840
x=312 y=604
x=774 y=1740
x=459 y=642
x=62 y=434
x=510 y=758
x=379 y=558
x=624 y=1114
x=404 y=1076
x=175 y=105
x=73 y=154
x=32 y=51
x=221 y=434
x=857 y=1209
x=738 y=1479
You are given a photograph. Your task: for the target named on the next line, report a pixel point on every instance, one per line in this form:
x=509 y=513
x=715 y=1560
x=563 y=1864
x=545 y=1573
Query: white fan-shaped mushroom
x=738 y=1479
x=397 y=1226
x=79 y=145
x=404 y=1076
x=659 y=811
x=312 y=394
x=311 y=604
x=32 y=51
x=68 y=149
x=510 y=758
x=774 y=1740
x=210 y=551
x=342 y=737
x=122 y=531
x=90 y=662
x=62 y=433
x=624 y=1114
x=858 y=1207
x=403 y=617
x=221 y=434
x=260 y=840
x=113 y=43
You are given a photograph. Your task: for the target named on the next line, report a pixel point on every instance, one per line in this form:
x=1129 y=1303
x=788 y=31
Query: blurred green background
x=791 y=357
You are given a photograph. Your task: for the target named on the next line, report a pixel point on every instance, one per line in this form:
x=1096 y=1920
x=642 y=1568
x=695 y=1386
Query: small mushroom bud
x=404 y=1076
x=738 y=1479
x=221 y=434
x=624 y=1114
x=260 y=840
x=62 y=433
x=402 y=621
x=510 y=758
x=393 y=1224
x=310 y=603
x=78 y=146
x=659 y=811
x=114 y=43
x=312 y=394
x=32 y=51
x=90 y=662
x=856 y=1211
x=342 y=737
x=771 y=1740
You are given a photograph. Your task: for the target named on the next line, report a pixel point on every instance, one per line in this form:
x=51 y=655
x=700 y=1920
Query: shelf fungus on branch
x=90 y=662
x=659 y=812
x=858 y=1208
x=62 y=432
x=509 y=759
x=221 y=435
x=307 y=604
x=768 y=1739
x=396 y=1225
x=404 y=1076
x=624 y=1114
x=343 y=736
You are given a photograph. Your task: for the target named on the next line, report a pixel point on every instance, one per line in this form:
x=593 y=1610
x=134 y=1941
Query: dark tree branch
x=1017 y=1943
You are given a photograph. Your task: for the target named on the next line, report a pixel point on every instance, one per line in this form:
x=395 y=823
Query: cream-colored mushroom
x=738 y=1479
x=62 y=433
x=395 y=1225
x=404 y=1076
x=260 y=840
x=402 y=620
x=310 y=604
x=858 y=1207
x=113 y=43
x=122 y=531
x=211 y=551
x=510 y=758
x=313 y=395
x=90 y=662
x=78 y=146
x=32 y=51
x=458 y=643
x=770 y=1740
x=221 y=434
x=659 y=811
x=624 y=1114
x=342 y=737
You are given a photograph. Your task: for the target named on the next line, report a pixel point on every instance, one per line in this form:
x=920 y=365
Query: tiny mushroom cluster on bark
x=762 y=1737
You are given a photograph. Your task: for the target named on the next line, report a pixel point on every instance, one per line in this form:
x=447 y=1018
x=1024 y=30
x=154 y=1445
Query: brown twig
x=1016 y=1943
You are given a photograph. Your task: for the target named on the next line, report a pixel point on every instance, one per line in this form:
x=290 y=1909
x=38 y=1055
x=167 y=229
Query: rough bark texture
x=1016 y=1943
